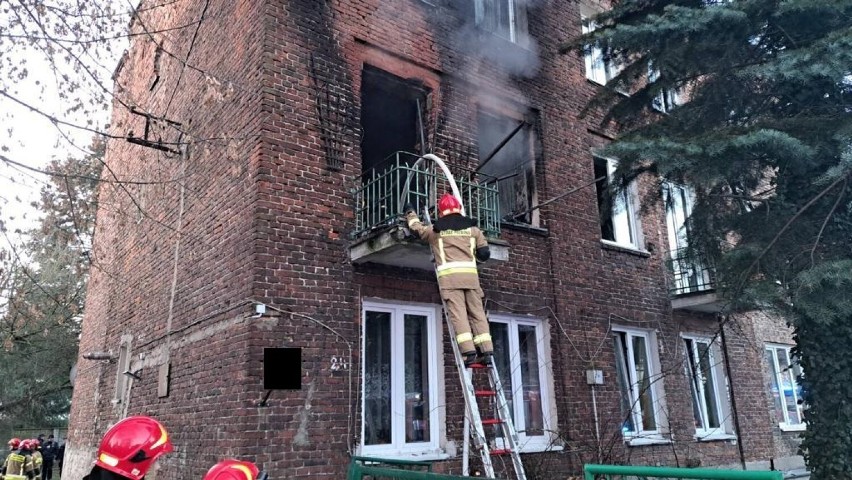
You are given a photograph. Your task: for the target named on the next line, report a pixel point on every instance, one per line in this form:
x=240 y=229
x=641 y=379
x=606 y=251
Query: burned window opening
x=512 y=165
x=391 y=113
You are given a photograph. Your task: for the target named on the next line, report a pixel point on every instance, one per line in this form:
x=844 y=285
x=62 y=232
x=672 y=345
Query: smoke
x=486 y=36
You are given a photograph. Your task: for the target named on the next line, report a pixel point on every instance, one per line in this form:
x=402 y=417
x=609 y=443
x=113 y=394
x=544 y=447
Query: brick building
x=265 y=171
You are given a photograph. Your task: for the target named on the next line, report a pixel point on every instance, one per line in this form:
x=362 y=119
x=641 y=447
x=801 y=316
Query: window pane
x=694 y=383
x=533 y=416
x=502 y=359
x=774 y=391
x=623 y=381
x=377 y=379
x=416 y=379
x=643 y=383
x=604 y=202
x=709 y=383
x=788 y=385
x=622 y=224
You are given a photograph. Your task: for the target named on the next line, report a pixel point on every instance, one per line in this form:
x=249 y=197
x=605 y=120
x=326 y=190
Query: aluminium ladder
x=503 y=418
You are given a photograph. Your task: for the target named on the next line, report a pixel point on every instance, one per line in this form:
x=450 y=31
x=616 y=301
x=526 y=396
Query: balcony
x=380 y=236
x=693 y=282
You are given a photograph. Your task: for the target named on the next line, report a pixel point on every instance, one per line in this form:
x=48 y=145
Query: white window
x=599 y=69
x=667 y=98
x=619 y=223
x=505 y=18
x=691 y=274
x=708 y=384
x=639 y=380
x=784 y=388
x=401 y=406
x=521 y=355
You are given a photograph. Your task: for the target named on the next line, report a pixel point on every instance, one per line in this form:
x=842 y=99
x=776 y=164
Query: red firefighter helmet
x=449 y=204
x=132 y=445
x=231 y=469
x=26 y=444
x=14 y=443
x=35 y=444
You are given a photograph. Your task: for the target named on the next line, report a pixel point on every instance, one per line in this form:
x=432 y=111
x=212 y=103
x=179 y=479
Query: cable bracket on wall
x=145 y=141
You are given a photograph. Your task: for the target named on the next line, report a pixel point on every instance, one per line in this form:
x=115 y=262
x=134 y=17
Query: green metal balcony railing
x=691 y=273
x=378 y=201
x=627 y=472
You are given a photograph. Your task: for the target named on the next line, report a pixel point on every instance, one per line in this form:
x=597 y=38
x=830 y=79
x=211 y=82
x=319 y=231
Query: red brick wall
x=264 y=219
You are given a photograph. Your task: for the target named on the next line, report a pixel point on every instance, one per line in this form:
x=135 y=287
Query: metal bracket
x=144 y=140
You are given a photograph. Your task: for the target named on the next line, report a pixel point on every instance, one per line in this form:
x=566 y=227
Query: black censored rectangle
x=282 y=368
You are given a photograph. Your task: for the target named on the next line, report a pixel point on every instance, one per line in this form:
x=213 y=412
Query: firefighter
x=19 y=464
x=457 y=244
x=14 y=444
x=130 y=449
x=38 y=460
x=230 y=469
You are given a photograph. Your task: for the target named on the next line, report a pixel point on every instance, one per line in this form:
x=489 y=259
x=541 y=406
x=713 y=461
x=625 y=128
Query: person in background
x=48 y=453
x=60 y=456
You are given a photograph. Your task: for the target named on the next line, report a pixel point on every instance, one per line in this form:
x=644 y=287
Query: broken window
x=506 y=155
x=505 y=18
x=391 y=113
x=400 y=379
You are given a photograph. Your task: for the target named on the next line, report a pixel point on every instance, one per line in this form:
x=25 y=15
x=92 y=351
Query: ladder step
x=500 y=451
x=484 y=393
x=477 y=366
x=492 y=421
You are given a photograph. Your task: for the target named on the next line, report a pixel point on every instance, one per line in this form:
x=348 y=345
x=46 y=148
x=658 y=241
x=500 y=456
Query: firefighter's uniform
x=457 y=244
x=18 y=466
x=38 y=460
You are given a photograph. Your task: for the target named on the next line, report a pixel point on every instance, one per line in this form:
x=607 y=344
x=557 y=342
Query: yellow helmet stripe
x=164 y=437
x=243 y=469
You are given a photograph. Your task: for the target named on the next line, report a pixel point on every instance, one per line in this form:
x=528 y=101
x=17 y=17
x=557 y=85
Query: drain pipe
x=722 y=322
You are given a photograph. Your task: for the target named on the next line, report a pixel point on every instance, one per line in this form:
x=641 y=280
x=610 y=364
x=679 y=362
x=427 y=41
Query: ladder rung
x=484 y=393
x=492 y=421
x=477 y=365
x=500 y=451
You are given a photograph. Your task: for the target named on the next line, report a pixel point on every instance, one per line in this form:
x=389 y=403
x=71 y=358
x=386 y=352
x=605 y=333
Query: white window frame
x=720 y=386
x=122 y=381
x=679 y=200
x=531 y=443
x=512 y=6
x=398 y=448
x=777 y=374
x=666 y=99
x=598 y=69
x=628 y=201
x=642 y=436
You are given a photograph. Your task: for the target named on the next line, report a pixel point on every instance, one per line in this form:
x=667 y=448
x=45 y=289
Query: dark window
x=391 y=108
x=512 y=166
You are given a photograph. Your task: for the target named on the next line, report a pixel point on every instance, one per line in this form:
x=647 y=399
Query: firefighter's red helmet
x=230 y=469
x=132 y=445
x=14 y=443
x=449 y=204
x=26 y=444
x=34 y=443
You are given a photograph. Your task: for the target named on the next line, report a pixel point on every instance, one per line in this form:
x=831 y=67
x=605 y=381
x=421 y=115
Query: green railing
x=627 y=472
x=378 y=203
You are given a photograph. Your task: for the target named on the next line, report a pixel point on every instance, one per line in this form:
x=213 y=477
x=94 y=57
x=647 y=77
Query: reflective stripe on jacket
x=454 y=251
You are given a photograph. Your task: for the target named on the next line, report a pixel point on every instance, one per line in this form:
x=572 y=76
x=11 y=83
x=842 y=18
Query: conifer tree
x=764 y=136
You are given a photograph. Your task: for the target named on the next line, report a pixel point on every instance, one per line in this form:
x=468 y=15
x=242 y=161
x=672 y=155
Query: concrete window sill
x=644 y=441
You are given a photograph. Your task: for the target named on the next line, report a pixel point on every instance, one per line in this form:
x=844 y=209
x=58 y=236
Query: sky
x=30 y=138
